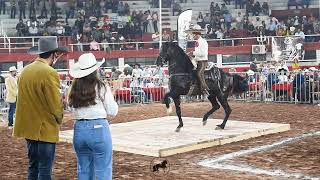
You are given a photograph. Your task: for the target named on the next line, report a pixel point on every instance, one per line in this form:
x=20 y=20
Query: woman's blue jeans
x=93 y=145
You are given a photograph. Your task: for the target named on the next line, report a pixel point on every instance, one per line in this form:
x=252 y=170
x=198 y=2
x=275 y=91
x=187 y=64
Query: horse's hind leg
x=224 y=102
x=178 y=111
x=215 y=106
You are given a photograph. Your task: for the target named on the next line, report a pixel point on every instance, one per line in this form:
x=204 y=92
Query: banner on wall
x=184 y=21
x=287 y=48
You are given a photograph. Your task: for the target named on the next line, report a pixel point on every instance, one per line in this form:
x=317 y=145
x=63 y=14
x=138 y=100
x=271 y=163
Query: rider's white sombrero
x=196 y=29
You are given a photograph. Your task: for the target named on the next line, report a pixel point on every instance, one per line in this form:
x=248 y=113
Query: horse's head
x=164 y=55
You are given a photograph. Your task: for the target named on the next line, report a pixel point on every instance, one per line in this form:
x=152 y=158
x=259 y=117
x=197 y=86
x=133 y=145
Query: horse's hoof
x=204 y=122
x=169 y=110
x=219 y=127
x=178 y=129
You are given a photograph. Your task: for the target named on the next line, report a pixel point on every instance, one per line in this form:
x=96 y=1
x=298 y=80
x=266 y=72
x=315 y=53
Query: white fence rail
x=286 y=87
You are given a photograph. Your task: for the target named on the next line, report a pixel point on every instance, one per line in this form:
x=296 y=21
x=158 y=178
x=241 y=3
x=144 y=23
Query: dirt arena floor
x=298 y=157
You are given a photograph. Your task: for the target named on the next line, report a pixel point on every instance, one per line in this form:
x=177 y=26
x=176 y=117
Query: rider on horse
x=200 y=56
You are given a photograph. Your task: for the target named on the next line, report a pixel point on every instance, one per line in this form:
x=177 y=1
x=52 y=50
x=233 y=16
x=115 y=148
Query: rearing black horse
x=220 y=83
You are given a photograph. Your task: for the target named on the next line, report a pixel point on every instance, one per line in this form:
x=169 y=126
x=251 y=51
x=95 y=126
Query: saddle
x=209 y=74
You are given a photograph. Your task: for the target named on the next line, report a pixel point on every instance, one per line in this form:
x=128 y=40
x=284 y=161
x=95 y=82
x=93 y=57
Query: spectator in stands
x=249 y=8
x=115 y=73
x=52 y=30
x=150 y=24
x=166 y=36
x=240 y=3
x=145 y=21
x=121 y=8
x=3 y=6
x=155 y=21
x=44 y=7
x=12 y=93
x=211 y=8
x=256 y=9
x=227 y=2
x=54 y=9
x=21 y=28
x=22 y=9
x=13 y=10
x=154 y=3
x=70 y=9
x=271 y=28
x=295 y=65
x=251 y=30
x=126 y=10
x=220 y=35
x=239 y=21
x=41 y=30
x=200 y=20
x=293 y=3
x=60 y=29
x=79 y=43
x=137 y=71
x=155 y=39
x=228 y=20
x=265 y=8
x=68 y=30
x=159 y=74
x=282 y=77
x=206 y=19
x=305 y=3
x=217 y=10
x=300 y=33
x=176 y=8
x=33 y=30
x=87 y=30
x=253 y=65
x=32 y=8
x=79 y=24
x=224 y=9
x=316 y=26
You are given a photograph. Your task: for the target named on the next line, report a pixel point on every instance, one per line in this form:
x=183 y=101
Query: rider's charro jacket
x=201 y=50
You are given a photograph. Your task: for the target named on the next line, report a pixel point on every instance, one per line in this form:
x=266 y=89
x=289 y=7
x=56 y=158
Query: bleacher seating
x=168 y=21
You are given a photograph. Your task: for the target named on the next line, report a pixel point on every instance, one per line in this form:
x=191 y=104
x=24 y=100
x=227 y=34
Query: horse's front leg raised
x=167 y=102
x=178 y=111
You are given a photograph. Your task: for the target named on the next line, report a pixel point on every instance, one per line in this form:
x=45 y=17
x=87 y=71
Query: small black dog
x=162 y=165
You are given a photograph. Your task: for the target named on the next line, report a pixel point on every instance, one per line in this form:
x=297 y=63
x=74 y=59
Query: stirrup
x=206 y=92
x=191 y=89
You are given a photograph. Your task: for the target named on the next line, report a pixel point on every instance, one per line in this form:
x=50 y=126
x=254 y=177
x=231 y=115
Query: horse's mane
x=183 y=54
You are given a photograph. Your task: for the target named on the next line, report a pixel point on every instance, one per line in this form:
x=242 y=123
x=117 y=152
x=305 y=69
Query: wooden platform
x=156 y=137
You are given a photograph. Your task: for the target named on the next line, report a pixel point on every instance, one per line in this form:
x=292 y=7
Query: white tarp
x=184 y=21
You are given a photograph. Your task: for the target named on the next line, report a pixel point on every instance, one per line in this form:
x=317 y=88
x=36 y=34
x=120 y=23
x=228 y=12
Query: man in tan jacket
x=12 y=92
x=39 y=108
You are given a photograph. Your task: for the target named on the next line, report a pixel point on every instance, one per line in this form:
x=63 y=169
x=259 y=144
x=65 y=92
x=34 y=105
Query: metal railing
x=16 y=43
x=272 y=87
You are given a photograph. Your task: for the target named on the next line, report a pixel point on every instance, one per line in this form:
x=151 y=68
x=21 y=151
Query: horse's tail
x=240 y=84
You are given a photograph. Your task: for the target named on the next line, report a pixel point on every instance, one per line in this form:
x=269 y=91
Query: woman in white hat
x=91 y=101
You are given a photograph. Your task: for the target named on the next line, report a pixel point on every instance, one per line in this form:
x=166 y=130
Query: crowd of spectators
x=220 y=23
x=92 y=22
x=93 y=25
x=304 y=81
